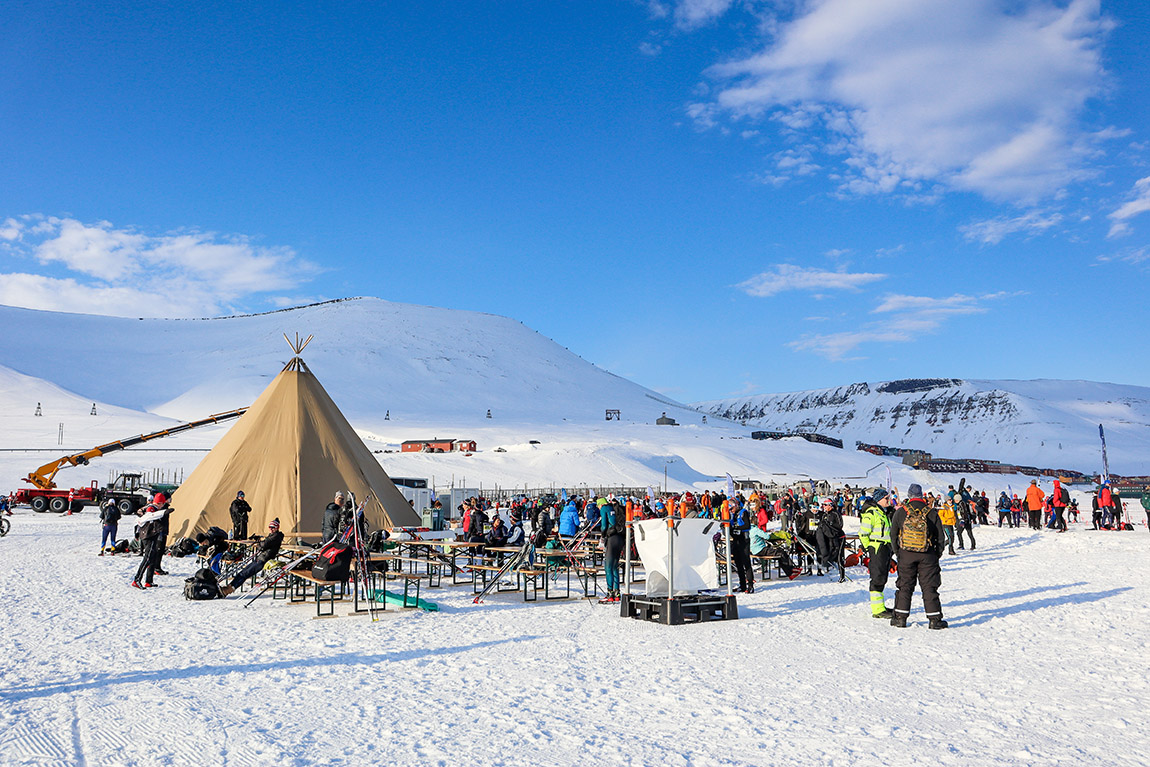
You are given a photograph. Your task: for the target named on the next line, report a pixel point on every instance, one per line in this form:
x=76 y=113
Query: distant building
x=663 y=420
x=438 y=446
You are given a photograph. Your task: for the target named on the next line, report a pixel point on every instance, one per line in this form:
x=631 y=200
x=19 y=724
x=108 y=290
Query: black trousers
x=830 y=549
x=1035 y=519
x=968 y=528
x=879 y=567
x=921 y=568
x=240 y=527
x=741 y=558
x=147 y=568
x=1005 y=515
x=1061 y=512
x=158 y=554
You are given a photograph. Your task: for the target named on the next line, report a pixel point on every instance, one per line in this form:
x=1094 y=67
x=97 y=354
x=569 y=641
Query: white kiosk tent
x=679 y=558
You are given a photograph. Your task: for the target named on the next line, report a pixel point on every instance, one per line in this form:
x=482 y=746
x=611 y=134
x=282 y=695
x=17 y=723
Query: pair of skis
x=513 y=562
x=280 y=573
x=352 y=536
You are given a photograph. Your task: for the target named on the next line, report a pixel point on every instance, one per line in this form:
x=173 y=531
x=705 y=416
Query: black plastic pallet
x=676 y=611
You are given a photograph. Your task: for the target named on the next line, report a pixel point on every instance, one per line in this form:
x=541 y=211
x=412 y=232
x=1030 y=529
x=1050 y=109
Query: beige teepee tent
x=289 y=453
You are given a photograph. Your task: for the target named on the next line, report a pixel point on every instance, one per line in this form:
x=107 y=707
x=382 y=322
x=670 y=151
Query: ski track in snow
x=1045 y=664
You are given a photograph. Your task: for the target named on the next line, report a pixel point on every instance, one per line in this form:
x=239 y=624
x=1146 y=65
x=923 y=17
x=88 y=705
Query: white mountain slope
x=373 y=356
x=436 y=372
x=1050 y=424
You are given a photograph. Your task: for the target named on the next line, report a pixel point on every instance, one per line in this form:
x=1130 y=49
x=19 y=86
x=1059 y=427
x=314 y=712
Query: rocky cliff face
x=1045 y=423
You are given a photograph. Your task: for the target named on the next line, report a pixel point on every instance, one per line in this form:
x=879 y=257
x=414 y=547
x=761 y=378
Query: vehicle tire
x=39 y=504
x=77 y=507
x=126 y=506
x=5 y=525
x=58 y=505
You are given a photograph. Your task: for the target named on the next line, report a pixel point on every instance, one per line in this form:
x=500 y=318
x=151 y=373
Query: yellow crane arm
x=44 y=476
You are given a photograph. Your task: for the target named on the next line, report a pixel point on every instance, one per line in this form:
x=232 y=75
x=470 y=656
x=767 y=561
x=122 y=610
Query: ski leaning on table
x=280 y=573
x=513 y=562
x=352 y=537
x=577 y=541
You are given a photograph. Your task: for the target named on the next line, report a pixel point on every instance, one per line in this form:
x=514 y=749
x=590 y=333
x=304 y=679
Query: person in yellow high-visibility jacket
x=874 y=535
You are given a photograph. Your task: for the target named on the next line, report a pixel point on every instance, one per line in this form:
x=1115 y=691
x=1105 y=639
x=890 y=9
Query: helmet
x=160 y=499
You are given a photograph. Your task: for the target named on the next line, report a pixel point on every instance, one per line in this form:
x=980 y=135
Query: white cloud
x=692 y=14
x=1137 y=205
x=979 y=95
x=128 y=273
x=785 y=277
x=993 y=231
x=905 y=319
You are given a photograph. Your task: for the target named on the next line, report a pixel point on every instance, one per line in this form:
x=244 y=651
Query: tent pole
x=627 y=560
x=727 y=544
x=670 y=557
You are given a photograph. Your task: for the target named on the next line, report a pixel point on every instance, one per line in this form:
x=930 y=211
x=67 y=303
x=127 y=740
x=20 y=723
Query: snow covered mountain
x=1051 y=424
x=374 y=357
x=402 y=372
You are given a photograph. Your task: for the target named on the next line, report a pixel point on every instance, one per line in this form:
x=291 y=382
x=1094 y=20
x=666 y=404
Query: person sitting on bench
x=269 y=549
x=515 y=535
x=213 y=545
x=498 y=534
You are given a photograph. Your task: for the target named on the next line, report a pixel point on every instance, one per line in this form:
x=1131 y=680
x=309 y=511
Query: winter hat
x=914 y=491
x=274 y=524
x=240 y=494
x=878 y=494
x=160 y=499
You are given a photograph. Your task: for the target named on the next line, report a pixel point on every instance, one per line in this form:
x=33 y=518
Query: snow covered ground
x=1045 y=664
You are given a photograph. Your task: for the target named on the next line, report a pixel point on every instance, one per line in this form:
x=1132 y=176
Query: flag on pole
x=730 y=486
x=1105 y=463
x=651 y=493
x=889 y=481
x=563 y=494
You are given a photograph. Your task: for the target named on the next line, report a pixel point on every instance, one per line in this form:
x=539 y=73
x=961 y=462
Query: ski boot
x=898 y=620
x=886 y=613
x=937 y=623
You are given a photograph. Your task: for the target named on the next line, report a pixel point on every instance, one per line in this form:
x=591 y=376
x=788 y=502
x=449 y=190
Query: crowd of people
x=809 y=522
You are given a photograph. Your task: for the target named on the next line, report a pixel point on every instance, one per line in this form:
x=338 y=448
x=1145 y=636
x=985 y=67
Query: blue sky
x=710 y=197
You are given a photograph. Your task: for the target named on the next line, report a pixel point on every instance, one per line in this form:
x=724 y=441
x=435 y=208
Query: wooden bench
x=409 y=600
x=765 y=561
x=299 y=593
x=531 y=576
x=485 y=573
x=432 y=568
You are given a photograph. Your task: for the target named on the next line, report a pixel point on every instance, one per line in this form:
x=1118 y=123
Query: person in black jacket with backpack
x=110 y=519
x=269 y=549
x=917 y=538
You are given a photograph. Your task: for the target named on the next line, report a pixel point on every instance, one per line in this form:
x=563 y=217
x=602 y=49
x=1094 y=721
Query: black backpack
x=202 y=585
x=333 y=562
x=1064 y=496
x=183 y=547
